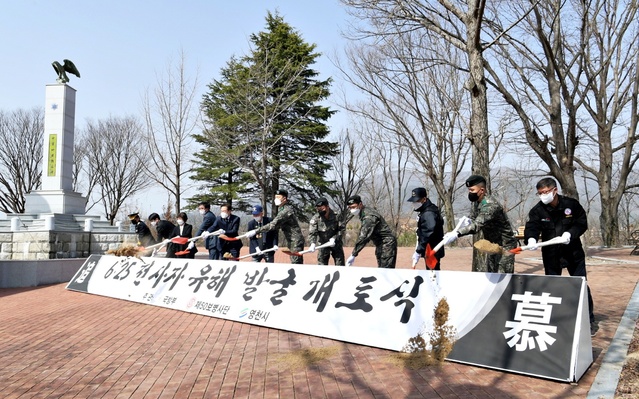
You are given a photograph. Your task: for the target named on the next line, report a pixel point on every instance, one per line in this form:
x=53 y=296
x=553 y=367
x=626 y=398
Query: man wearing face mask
x=287 y=222
x=373 y=228
x=164 y=228
x=262 y=241
x=229 y=225
x=430 y=225
x=488 y=221
x=208 y=218
x=559 y=216
x=145 y=238
x=325 y=226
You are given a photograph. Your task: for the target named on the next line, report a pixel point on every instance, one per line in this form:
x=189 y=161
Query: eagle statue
x=62 y=69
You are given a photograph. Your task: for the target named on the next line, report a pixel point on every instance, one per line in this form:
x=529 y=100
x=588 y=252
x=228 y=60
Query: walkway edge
x=607 y=379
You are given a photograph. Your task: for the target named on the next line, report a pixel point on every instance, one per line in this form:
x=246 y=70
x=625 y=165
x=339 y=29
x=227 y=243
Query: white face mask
x=355 y=211
x=154 y=223
x=547 y=198
x=277 y=202
x=224 y=215
x=257 y=218
x=180 y=222
x=417 y=205
x=202 y=211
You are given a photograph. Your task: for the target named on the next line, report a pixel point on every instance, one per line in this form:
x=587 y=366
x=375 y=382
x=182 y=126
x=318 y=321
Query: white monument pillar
x=57 y=195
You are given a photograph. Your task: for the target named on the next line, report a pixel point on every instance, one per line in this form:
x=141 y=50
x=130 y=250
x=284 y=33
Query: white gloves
x=532 y=244
x=464 y=221
x=220 y=231
x=166 y=241
x=258 y=251
x=449 y=237
x=416 y=257
x=191 y=245
x=205 y=234
x=350 y=260
x=566 y=236
x=332 y=242
x=251 y=233
x=311 y=248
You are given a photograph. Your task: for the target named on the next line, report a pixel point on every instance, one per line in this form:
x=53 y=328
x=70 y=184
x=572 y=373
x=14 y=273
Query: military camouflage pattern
x=321 y=229
x=286 y=221
x=490 y=222
x=374 y=228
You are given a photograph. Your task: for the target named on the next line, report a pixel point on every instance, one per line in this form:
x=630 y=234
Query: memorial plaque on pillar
x=57 y=195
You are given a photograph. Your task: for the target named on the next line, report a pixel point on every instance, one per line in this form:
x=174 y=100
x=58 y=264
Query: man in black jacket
x=559 y=216
x=430 y=225
x=261 y=241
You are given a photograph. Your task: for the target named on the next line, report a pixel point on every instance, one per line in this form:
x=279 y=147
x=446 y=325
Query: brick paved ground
x=56 y=343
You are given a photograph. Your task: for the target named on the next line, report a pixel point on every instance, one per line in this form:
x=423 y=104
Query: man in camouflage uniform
x=324 y=227
x=489 y=222
x=287 y=222
x=374 y=228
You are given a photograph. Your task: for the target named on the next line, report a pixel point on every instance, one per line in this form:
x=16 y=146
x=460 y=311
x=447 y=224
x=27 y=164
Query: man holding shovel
x=324 y=227
x=558 y=216
x=287 y=222
x=488 y=221
x=430 y=226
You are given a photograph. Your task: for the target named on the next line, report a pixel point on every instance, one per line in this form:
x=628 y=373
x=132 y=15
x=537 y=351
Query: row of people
x=325 y=226
x=552 y=216
x=165 y=232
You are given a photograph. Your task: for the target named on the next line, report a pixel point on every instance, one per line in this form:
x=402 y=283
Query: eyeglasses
x=540 y=193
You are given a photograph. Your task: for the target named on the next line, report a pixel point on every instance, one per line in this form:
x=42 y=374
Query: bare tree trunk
x=477 y=86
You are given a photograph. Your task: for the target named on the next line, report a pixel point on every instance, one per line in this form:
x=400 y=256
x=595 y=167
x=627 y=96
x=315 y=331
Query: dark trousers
x=576 y=267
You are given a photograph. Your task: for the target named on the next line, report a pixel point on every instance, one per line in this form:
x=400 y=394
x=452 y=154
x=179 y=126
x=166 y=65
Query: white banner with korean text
x=530 y=324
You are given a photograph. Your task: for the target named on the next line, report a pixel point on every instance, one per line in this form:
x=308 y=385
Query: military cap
x=354 y=199
x=133 y=215
x=475 y=180
x=321 y=201
x=282 y=192
x=417 y=194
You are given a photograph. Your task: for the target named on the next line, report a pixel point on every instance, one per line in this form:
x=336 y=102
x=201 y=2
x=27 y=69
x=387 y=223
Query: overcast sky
x=119 y=46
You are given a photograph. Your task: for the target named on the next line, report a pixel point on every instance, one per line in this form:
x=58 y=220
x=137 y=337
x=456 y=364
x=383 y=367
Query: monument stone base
x=55 y=201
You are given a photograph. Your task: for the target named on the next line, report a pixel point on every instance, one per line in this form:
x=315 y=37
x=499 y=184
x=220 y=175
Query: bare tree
x=455 y=21
x=113 y=156
x=611 y=83
x=21 y=134
x=351 y=170
x=420 y=102
x=386 y=189
x=171 y=115
x=569 y=70
x=84 y=181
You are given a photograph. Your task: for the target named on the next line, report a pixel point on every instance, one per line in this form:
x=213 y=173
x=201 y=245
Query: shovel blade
x=430 y=259
x=180 y=240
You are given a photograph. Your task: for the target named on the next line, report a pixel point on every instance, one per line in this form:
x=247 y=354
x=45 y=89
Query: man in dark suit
x=210 y=242
x=262 y=241
x=228 y=225
x=164 y=230
x=145 y=238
